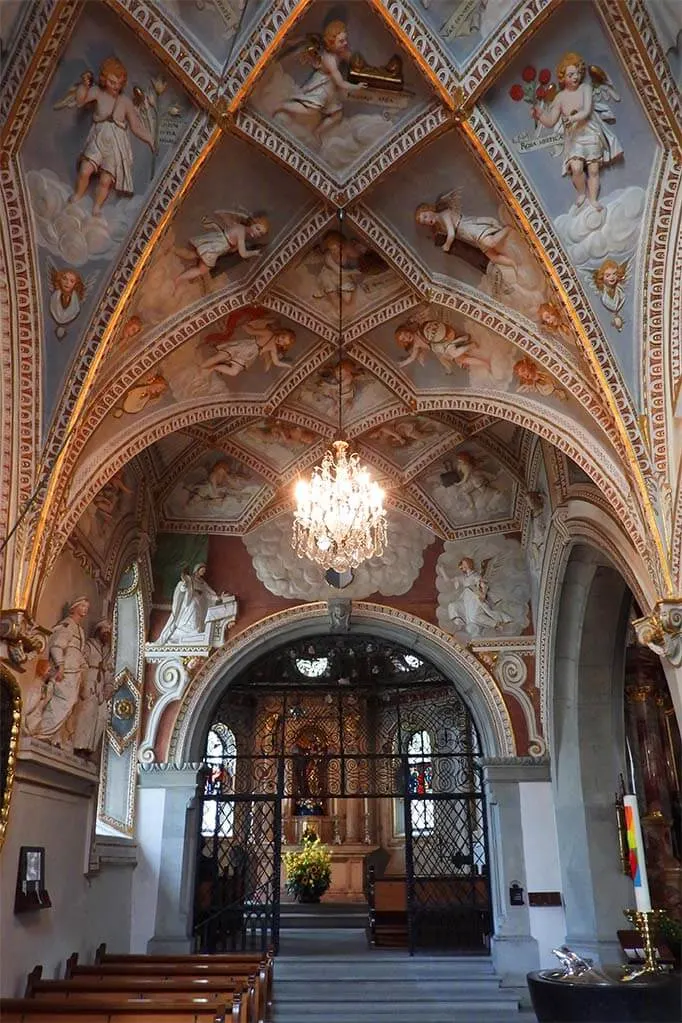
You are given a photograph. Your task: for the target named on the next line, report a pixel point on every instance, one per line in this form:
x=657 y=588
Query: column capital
x=661 y=630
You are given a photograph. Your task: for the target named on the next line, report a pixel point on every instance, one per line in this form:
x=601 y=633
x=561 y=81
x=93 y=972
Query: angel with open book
x=227 y=231
x=445 y=219
x=318 y=105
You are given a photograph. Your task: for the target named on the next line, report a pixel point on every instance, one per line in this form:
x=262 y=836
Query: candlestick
x=636 y=849
x=646 y=923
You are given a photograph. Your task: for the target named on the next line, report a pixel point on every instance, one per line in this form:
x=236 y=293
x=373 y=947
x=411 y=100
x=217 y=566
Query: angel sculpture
x=609 y=279
x=451 y=349
x=445 y=217
x=318 y=105
x=475 y=485
x=403 y=433
x=228 y=231
x=268 y=338
x=107 y=152
x=474 y=610
x=68 y=293
x=583 y=111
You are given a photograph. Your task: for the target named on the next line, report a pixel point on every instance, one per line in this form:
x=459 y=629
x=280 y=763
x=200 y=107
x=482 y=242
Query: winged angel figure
x=318 y=105
x=267 y=338
x=608 y=281
x=68 y=294
x=484 y=595
x=227 y=231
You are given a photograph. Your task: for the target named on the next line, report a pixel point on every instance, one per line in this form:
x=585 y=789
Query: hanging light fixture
x=339 y=520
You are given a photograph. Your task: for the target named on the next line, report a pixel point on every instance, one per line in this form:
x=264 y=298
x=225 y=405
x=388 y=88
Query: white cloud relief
x=590 y=235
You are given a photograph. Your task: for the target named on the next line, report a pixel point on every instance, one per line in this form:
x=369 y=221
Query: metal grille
x=299 y=750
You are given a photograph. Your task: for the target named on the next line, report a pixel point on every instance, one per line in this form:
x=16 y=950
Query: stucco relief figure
x=345 y=263
x=532 y=379
x=227 y=231
x=52 y=716
x=609 y=279
x=317 y=106
x=192 y=598
x=474 y=607
x=90 y=713
x=444 y=218
x=107 y=153
x=68 y=294
x=475 y=486
x=268 y=339
x=137 y=398
x=450 y=347
x=582 y=112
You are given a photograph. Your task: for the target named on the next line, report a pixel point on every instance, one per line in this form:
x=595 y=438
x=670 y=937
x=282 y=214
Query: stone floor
x=329 y=975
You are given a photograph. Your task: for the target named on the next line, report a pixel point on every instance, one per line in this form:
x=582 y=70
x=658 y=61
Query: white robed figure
x=191 y=600
x=52 y=718
x=90 y=714
x=473 y=606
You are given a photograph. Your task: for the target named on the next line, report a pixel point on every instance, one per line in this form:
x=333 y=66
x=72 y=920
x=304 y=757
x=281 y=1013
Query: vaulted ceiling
x=172 y=355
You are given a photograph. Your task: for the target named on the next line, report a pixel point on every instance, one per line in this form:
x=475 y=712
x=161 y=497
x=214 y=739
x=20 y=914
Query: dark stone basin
x=602 y=996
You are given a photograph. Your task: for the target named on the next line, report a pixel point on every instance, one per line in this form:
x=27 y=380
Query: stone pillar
x=175 y=835
x=514 y=950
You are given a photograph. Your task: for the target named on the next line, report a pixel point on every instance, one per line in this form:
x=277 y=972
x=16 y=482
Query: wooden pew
x=264 y=962
x=183 y=968
x=109 y=1010
x=387 y=921
x=219 y=994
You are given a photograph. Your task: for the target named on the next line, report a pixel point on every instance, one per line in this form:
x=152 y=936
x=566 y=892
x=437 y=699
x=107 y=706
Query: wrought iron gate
x=286 y=750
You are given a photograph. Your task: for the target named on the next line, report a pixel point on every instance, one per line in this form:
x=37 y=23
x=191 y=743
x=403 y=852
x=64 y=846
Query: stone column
x=514 y=950
x=174 y=838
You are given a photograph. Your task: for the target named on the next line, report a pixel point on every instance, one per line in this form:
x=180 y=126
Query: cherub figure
x=268 y=339
x=229 y=231
x=345 y=262
x=450 y=348
x=445 y=217
x=532 y=378
x=402 y=434
x=68 y=293
x=108 y=500
x=318 y=105
x=475 y=484
x=581 y=108
x=107 y=152
x=473 y=606
x=140 y=395
x=609 y=279
x=328 y=383
x=222 y=480
x=280 y=431
x=553 y=318
x=129 y=331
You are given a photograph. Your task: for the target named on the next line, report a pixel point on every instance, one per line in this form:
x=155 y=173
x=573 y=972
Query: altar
x=348 y=857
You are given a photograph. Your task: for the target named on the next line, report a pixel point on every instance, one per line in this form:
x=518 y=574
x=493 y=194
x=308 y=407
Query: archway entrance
x=372 y=748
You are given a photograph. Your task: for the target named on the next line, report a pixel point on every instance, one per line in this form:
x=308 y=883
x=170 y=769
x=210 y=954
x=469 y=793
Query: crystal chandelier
x=339 y=520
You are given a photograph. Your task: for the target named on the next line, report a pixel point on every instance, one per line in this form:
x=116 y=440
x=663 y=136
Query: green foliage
x=671 y=929
x=309 y=872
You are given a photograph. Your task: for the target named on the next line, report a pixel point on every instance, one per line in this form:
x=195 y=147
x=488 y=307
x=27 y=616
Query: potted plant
x=308 y=872
x=670 y=929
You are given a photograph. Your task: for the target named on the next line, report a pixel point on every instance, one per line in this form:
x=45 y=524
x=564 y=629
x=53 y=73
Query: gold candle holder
x=647 y=925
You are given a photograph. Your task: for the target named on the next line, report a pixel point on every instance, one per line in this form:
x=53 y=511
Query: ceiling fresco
x=476 y=190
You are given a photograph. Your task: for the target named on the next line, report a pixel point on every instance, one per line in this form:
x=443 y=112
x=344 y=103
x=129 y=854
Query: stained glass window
x=420 y=781
x=221 y=763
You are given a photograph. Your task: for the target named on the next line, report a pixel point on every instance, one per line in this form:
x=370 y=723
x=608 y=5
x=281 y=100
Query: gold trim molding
x=8 y=679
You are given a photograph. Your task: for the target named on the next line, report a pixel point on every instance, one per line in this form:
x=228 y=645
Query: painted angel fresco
x=609 y=279
x=480 y=492
x=581 y=110
x=421 y=336
x=267 y=338
x=107 y=153
x=227 y=231
x=282 y=432
x=68 y=294
x=484 y=587
x=402 y=434
x=317 y=107
x=213 y=490
x=532 y=379
x=137 y=397
x=555 y=320
x=345 y=263
x=220 y=482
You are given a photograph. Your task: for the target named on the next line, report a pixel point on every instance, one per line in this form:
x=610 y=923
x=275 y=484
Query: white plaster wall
x=541 y=855
x=84 y=911
x=149 y=830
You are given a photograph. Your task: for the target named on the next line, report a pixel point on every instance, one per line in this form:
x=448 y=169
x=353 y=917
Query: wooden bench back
x=110 y=1010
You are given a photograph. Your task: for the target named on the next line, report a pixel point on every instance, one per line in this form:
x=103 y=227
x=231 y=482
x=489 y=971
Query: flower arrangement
x=535 y=87
x=309 y=872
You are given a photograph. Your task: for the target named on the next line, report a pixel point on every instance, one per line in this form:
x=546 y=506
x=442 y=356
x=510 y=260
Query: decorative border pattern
x=9 y=679
x=237 y=653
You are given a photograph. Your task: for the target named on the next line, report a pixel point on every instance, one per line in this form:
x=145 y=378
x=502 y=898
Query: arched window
x=420 y=787
x=221 y=765
x=420 y=782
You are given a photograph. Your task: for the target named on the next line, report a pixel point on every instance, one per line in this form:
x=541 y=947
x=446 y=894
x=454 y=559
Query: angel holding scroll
x=228 y=231
x=107 y=152
x=318 y=105
x=445 y=217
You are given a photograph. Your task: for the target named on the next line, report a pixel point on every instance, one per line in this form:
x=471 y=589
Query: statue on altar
x=309 y=775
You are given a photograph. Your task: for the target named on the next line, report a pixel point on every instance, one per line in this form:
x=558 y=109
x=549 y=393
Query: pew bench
x=109 y=1010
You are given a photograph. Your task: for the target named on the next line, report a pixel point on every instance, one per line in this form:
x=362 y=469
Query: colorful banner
x=636 y=854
